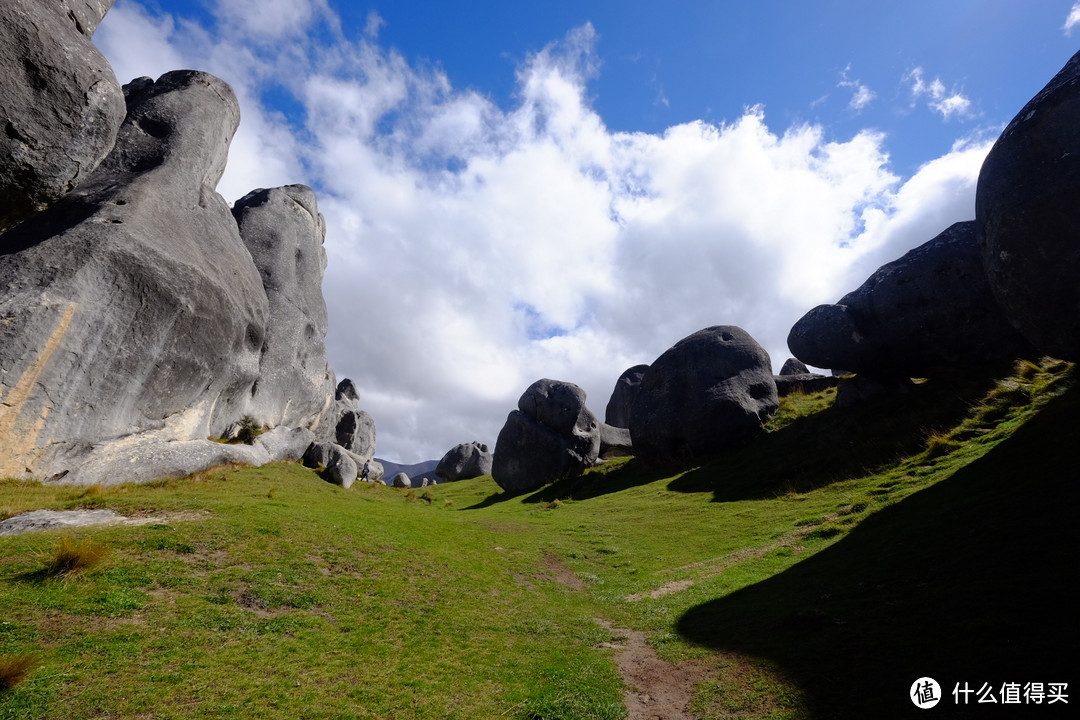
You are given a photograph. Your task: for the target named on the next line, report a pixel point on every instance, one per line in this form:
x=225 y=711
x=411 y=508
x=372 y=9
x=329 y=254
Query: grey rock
x=283 y=230
x=804 y=383
x=464 y=461
x=560 y=406
x=317 y=455
x=401 y=480
x=614 y=438
x=131 y=306
x=928 y=312
x=346 y=390
x=282 y=443
x=1027 y=206
x=709 y=392
x=794 y=366
x=56 y=519
x=147 y=457
x=340 y=468
x=356 y=431
x=617 y=412
x=552 y=435
x=529 y=455
x=60 y=102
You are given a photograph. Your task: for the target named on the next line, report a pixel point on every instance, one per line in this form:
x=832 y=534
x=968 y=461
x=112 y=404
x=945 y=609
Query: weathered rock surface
x=1027 y=207
x=929 y=311
x=131 y=306
x=340 y=467
x=617 y=412
x=56 y=519
x=401 y=480
x=283 y=230
x=355 y=431
x=552 y=435
x=710 y=391
x=60 y=102
x=464 y=461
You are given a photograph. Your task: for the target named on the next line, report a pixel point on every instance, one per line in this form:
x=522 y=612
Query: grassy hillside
x=815 y=573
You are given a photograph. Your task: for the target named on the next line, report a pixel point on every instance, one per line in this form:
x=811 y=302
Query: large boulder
x=552 y=435
x=617 y=412
x=60 y=102
x=464 y=461
x=710 y=391
x=131 y=305
x=283 y=230
x=1027 y=207
x=929 y=311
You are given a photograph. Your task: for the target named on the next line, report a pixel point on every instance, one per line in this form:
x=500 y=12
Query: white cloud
x=1073 y=19
x=861 y=95
x=947 y=103
x=473 y=249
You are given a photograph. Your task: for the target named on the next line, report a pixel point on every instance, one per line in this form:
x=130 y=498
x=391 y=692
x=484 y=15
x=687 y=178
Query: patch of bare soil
x=656 y=689
x=666 y=589
x=561 y=573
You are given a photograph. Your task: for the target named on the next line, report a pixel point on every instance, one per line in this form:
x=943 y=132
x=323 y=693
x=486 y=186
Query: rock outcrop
x=710 y=391
x=552 y=435
x=794 y=366
x=401 y=480
x=1027 y=207
x=617 y=412
x=464 y=461
x=929 y=311
x=131 y=305
x=60 y=102
x=283 y=230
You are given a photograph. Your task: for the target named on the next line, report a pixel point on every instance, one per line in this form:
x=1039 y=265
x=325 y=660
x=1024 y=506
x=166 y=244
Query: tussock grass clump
x=13 y=670
x=71 y=557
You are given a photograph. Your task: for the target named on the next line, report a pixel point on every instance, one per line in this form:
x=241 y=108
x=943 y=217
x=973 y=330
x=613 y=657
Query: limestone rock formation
x=929 y=311
x=1027 y=207
x=464 y=461
x=131 y=305
x=60 y=102
x=552 y=435
x=804 y=383
x=617 y=412
x=401 y=480
x=283 y=230
x=710 y=391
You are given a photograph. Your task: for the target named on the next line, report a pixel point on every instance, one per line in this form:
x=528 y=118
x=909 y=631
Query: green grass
x=814 y=573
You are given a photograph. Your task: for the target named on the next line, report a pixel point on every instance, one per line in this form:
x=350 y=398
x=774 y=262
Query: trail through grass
x=789 y=574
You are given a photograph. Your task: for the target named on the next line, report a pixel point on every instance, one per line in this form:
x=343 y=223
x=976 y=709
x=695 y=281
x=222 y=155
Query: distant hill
x=416 y=472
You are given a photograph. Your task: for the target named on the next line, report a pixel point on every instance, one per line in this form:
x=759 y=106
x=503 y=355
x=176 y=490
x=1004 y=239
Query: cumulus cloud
x=945 y=102
x=1073 y=19
x=475 y=248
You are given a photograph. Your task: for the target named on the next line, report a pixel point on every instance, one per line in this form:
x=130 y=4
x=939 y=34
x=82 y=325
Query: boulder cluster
x=142 y=317
x=983 y=292
x=709 y=392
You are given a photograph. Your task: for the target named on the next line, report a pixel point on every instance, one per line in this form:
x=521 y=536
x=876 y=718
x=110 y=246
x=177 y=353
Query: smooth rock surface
x=401 y=480
x=1027 y=206
x=618 y=408
x=60 y=103
x=709 y=392
x=131 y=306
x=794 y=366
x=925 y=313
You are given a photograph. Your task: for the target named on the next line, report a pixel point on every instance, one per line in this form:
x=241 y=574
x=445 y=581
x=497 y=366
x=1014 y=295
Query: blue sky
x=515 y=191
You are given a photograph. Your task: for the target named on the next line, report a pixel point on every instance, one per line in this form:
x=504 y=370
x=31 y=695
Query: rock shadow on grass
x=969 y=580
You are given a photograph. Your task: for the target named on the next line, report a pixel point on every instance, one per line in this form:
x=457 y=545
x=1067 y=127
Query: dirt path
x=656 y=689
